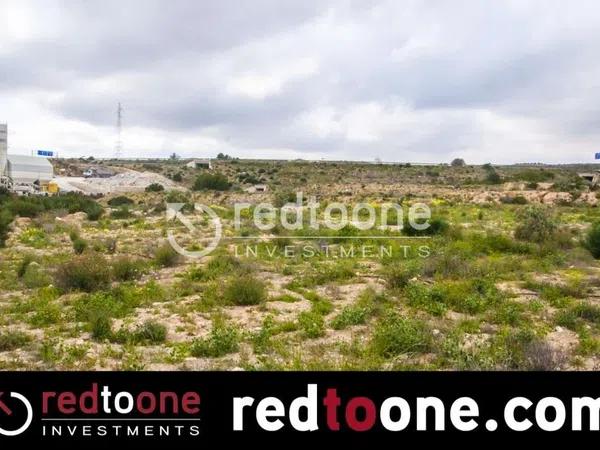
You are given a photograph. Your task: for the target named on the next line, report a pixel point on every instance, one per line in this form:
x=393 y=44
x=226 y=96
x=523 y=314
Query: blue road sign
x=47 y=153
x=597 y=156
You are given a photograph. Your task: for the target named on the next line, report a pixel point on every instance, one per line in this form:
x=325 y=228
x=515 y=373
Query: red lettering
x=190 y=403
x=67 y=402
x=370 y=414
x=331 y=402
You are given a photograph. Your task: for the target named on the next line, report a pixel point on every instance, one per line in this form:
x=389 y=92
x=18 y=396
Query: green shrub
x=209 y=181
x=222 y=340
x=11 y=340
x=592 y=240
x=359 y=312
x=436 y=226
x=88 y=273
x=349 y=316
x=312 y=324
x=93 y=211
x=395 y=335
x=28 y=258
x=222 y=264
x=121 y=200
x=178 y=177
x=398 y=275
x=245 y=290
x=149 y=332
x=6 y=219
x=155 y=187
x=492 y=177
x=261 y=340
x=126 y=268
x=121 y=213
x=101 y=327
x=79 y=246
x=535 y=224
x=534 y=175
x=572 y=316
x=34 y=237
x=326 y=273
x=419 y=296
x=152 y=332
x=166 y=256
x=35 y=276
x=117 y=302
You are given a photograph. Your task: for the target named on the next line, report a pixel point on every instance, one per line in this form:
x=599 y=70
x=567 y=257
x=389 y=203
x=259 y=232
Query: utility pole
x=119 y=143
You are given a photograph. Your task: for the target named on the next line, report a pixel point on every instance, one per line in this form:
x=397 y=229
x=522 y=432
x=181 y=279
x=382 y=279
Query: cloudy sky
x=503 y=81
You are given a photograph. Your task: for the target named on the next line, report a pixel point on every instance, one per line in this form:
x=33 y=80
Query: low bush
x=34 y=237
x=436 y=226
x=245 y=290
x=6 y=219
x=534 y=175
x=88 y=273
x=11 y=340
x=398 y=275
x=592 y=240
x=222 y=340
x=28 y=258
x=101 y=327
x=573 y=316
x=35 y=276
x=126 y=268
x=209 y=181
x=79 y=246
x=395 y=335
x=166 y=256
x=121 y=200
x=312 y=324
x=535 y=224
x=351 y=315
x=155 y=187
x=540 y=355
x=151 y=332
x=122 y=212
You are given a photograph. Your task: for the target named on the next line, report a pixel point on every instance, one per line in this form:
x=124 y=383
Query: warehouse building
x=21 y=169
x=29 y=169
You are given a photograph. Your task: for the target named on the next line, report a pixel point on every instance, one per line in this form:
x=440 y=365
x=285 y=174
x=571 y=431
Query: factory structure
x=24 y=174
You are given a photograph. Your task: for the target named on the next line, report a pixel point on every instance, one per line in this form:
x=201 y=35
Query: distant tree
x=458 y=162
x=493 y=177
x=223 y=156
x=174 y=156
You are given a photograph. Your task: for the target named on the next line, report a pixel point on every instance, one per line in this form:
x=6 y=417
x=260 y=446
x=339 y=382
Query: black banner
x=193 y=408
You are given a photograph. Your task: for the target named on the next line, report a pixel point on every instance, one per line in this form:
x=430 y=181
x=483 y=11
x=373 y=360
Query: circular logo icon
x=174 y=212
x=5 y=409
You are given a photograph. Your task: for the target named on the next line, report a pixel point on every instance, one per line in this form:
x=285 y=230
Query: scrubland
x=507 y=279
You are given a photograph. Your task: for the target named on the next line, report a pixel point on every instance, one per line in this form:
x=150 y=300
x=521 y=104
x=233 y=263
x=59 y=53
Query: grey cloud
x=452 y=65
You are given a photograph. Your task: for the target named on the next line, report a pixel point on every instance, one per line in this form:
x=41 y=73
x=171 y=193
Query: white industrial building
x=21 y=169
x=199 y=164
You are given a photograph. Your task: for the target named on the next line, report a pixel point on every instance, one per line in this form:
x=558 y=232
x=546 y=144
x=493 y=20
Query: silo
x=3 y=148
